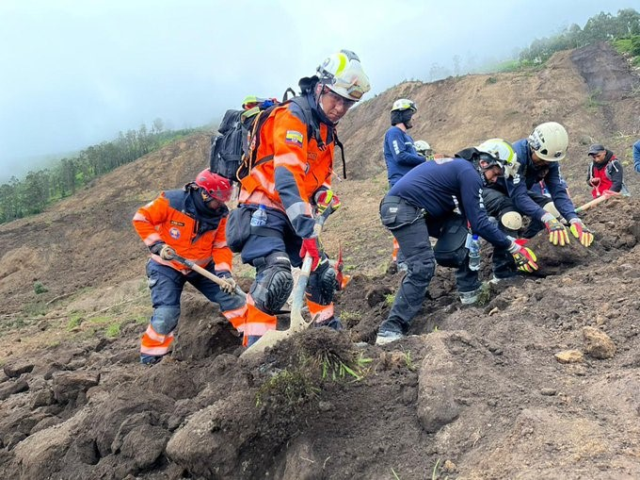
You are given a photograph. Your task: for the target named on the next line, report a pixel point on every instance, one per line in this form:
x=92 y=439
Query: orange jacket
x=171 y=219
x=298 y=170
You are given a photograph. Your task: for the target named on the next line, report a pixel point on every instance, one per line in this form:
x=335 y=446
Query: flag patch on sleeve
x=294 y=138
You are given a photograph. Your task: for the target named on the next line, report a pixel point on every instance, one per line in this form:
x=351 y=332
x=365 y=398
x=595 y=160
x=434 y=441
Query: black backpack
x=226 y=151
x=252 y=136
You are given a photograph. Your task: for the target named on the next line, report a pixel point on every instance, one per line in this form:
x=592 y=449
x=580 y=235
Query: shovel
x=605 y=196
x=205 y=273
x=297 y=322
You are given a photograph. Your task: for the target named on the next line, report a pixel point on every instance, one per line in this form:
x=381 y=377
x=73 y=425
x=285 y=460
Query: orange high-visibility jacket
x=298 y=170
x=170 y=219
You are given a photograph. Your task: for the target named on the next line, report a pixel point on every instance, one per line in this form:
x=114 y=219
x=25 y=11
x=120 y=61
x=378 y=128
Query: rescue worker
x=422 y=204
x=189 y=223
x=636 y=156
x=291 y=181
x=400 y=156
x=507 y=200
x=605 y=172
x=423 y=148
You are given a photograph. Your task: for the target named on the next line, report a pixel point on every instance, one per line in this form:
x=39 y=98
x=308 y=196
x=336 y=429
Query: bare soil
x=540 y=381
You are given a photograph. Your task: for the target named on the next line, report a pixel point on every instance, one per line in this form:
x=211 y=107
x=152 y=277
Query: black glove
x=164 y=250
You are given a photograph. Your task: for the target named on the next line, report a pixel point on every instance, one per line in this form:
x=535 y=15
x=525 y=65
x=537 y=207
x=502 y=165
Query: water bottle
x=473 y=245
x=259 y=217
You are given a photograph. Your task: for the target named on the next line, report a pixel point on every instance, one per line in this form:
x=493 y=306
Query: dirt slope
x=477 y=393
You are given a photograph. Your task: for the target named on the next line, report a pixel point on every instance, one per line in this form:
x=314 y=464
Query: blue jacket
x=528 y=175
x=433 y=185
x=636 y=156
x=399 y=154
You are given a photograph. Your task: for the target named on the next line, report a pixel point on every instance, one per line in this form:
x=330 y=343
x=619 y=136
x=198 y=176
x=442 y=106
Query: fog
x=75 y=73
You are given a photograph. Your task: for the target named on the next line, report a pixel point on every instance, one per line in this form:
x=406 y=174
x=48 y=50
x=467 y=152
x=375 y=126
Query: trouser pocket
x=397 y=213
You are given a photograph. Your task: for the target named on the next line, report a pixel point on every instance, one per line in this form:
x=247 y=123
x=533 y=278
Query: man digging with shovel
x=185 y=231
x=287 y=187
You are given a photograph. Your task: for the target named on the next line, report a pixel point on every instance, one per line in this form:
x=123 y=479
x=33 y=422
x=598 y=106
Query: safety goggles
x=340 y=99
x=219 y=195
x=353 y=90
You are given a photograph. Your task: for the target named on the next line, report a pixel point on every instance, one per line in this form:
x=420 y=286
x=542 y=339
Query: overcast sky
x=75 y=72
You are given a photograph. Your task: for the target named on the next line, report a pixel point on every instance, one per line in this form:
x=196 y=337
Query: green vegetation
x=389 y=298
x=593 y=103
x=39 y=288
x=622 y=30
x=293 y=385
x=112 y=331
x=631 y=46
x=600 y=28
x=21 y=198
x=74 y=322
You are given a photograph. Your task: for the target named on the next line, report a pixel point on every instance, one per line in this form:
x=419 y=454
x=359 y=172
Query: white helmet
x=423 y=148
x=342 y=73
x=549 y=141
x=404 y=104
x=503 y=154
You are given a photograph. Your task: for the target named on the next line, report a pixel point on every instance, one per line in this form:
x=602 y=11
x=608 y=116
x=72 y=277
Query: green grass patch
x=112 y=331
x=294 y=386
x=74 y=322
x=389 y=298
x=39 y=288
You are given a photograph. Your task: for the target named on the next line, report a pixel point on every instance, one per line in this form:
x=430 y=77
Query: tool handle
x=206 y=273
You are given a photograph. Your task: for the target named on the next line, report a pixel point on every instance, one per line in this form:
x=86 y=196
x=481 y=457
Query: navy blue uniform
x=399 y=154
x=530 y=174
x=421 y=205
x=433 y=185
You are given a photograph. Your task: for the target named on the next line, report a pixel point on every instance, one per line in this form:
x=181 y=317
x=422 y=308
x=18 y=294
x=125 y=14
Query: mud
x=542 y=380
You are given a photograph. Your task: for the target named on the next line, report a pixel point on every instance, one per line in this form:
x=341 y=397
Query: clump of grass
x=74 y=322
x=484 y=295
x=39 y=288
x=294 y=386
x=389 y=298
x=112 y=331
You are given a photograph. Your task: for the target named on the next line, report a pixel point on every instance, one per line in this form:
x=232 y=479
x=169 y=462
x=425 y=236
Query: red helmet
x=214 y=185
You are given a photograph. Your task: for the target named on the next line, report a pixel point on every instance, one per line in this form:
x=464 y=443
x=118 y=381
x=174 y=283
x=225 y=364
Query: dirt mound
x=540 y=381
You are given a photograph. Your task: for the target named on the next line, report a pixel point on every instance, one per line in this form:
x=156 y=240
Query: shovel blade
x=297 y=324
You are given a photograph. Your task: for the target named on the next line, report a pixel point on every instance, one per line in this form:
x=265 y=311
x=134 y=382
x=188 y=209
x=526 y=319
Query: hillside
x=476 y=393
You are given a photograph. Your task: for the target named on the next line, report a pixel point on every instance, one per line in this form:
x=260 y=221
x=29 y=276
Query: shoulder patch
x=294 y=138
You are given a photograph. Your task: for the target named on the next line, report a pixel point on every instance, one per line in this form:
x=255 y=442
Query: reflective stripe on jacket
x=167 y=219
x=298 y=169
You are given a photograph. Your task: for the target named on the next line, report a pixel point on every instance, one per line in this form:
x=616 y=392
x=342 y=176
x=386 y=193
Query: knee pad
x=323 y=284
x=274 y=283
x=551 y=208
x=423 y=270
x=165 y=319
x=511 y=220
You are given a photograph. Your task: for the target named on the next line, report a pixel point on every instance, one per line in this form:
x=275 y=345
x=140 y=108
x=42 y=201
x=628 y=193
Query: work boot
x=388 y=336
x=333 y=323
x=469 y=298
x=150 y=359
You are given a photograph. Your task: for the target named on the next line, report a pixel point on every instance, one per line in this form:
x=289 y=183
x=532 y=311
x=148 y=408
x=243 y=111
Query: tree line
x=31 y=195
x=599 y=28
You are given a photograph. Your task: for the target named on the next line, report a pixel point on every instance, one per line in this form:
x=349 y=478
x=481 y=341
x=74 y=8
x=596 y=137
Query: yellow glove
x=524 y=257
x=326 y=199
x=557 y=232
x=581 y=232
